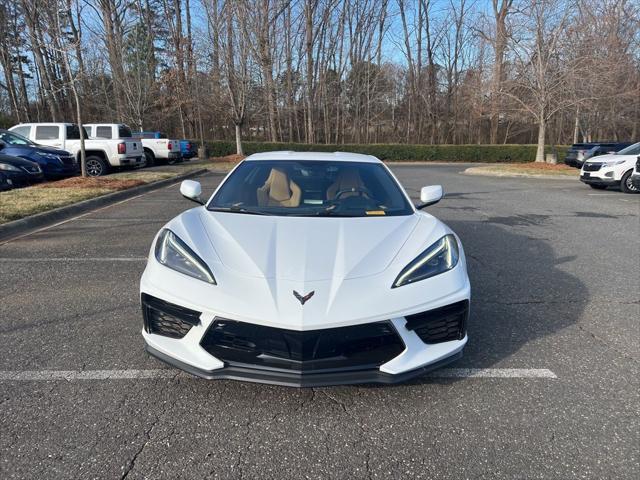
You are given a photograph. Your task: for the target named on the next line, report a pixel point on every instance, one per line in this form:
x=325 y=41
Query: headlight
x=49 y=156
x=175 y=254
x=11 y=168
x=612 y=163
x=440 y=257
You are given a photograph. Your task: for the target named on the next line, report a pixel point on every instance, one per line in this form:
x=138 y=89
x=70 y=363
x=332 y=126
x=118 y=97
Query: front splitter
x=290 y=379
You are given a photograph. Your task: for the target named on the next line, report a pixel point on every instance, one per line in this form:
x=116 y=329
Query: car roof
x=318 y=156
x=43 y=124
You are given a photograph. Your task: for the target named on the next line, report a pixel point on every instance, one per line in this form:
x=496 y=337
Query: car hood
x=55 y=151
x=604 y=158
x=306 y=249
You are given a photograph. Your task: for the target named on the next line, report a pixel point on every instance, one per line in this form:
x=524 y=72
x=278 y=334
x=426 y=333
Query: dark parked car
x=5 y=183
x=580 y=152
x=55 y=163
x=21 y=172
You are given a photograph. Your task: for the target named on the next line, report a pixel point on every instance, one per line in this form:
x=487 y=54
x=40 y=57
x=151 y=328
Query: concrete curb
x=485 y=173
x=31 y=223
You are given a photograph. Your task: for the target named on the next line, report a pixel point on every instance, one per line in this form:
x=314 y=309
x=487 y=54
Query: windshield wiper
x=237 y=209
x=325 y=213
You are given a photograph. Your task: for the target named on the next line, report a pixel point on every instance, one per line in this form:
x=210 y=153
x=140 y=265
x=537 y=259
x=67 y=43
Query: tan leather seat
x=279 y=191
x=347 y=179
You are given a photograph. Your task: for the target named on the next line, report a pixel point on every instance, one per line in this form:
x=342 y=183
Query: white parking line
x=73 y=259
x=73 y=375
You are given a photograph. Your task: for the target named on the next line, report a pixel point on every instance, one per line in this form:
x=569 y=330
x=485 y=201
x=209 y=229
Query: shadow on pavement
x=519 y=295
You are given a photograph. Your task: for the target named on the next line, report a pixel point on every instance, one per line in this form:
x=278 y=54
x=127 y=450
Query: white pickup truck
x=101 y=153
x=157 y=148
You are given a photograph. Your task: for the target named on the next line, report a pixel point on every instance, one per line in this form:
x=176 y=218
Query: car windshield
x=630 y=150
x=14 y=139
x=311 y=188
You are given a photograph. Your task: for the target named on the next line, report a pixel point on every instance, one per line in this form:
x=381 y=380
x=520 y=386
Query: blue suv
x=55 y=163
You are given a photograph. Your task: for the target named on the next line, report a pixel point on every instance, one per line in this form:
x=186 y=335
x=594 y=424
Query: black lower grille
x=441 y=324
x=592 y=167
x=167 y=319
x=354 y=347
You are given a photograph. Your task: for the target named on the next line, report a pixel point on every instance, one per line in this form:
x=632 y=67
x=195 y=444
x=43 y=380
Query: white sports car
x=306 y=269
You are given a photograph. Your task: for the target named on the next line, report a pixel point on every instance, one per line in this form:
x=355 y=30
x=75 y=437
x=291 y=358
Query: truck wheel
x=598 y=187
x=625 y=184
x=150 y=158
x=96 y=166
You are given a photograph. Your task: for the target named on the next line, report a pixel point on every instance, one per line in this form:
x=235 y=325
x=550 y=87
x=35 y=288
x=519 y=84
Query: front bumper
x=590 y=179
x=23 y=179
x=392 y=351
x=287 y=379
x=572 y=162
x=62 y=171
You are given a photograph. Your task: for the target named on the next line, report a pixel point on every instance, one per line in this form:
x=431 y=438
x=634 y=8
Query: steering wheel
x=361 y=191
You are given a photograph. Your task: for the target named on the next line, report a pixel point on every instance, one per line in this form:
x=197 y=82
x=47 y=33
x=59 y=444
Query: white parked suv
x=612 y=170
x=102 y=154
x=155 y=148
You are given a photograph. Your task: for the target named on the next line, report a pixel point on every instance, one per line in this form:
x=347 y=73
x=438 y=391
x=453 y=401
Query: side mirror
x=430 y=195
x=192 y=190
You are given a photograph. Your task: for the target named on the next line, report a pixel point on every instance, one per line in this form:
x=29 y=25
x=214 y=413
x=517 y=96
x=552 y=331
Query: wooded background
x=329 y=71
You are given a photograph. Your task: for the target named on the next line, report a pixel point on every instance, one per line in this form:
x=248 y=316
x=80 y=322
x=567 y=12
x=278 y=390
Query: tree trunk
x=308 y=12
x=238 y=140
x=542 y=125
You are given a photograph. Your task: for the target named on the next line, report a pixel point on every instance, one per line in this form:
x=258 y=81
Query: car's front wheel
x=626 y=185
x=96 y=166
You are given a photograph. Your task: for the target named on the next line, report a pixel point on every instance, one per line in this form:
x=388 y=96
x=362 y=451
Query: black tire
x=598 y=187
x=96 y=166
x=150 y=158
x=625 y=184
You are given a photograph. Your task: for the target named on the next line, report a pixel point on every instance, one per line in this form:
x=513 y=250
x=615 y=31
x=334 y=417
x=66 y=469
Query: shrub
x=399 y=152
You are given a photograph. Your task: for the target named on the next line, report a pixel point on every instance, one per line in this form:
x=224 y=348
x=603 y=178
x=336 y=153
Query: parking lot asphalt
x=555 y=278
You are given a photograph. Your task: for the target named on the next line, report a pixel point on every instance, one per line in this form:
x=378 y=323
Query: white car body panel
x=350 y=264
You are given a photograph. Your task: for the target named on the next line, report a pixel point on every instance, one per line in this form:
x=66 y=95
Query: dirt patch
x=541 y=167
x=532 y=169
x=93 y=183
x=228 y=159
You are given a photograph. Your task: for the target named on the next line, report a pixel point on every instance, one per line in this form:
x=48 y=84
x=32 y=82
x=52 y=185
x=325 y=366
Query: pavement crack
x=362 y=429
x=148 y=434
x=606 y=343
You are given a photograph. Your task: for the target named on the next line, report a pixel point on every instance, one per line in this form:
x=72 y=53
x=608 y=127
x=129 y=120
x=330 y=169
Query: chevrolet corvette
x=306 y=269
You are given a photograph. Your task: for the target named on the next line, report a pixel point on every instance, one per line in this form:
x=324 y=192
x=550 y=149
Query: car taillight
x=122 y=148
x=169 y=145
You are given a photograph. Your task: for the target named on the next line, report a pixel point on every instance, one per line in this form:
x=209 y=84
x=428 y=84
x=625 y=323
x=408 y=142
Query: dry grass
x=109 y=183
x=526 y=169
x=19 y=203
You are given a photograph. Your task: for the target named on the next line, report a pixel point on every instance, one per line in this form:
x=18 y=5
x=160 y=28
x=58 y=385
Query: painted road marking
x=74 y=375
x=74 y=259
